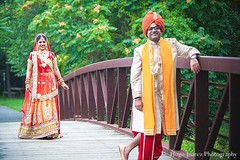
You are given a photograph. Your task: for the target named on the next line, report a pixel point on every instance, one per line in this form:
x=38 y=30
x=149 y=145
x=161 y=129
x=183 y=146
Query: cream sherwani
x=178 y=49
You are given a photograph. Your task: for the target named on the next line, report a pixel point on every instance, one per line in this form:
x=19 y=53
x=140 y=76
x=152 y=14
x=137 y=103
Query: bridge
x=101 y=93
x=81 y=140
x=96 y=111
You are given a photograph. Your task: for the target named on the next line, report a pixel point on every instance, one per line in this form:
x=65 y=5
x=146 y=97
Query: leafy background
x=82 y=32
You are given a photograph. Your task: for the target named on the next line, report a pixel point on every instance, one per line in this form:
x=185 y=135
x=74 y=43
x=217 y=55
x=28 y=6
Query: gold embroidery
x=40 y=131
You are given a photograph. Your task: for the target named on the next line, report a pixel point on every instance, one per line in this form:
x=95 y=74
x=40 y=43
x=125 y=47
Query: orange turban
x=152 y=17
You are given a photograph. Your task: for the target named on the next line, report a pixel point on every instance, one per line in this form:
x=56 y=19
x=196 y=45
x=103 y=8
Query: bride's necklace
x=43 y=55
x=153 y=69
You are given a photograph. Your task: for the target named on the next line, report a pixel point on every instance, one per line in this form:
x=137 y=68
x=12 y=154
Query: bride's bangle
x=60 y=81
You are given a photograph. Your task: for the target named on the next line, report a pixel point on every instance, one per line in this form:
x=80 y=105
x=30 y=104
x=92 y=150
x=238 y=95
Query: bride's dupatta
x=25 y=102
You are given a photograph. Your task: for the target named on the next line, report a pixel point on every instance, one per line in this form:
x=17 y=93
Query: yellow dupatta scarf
x=169 y=120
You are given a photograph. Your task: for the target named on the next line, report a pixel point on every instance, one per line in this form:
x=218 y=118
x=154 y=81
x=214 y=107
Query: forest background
x=82 y=32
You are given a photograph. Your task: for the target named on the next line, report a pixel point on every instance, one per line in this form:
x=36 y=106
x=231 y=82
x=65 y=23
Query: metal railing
x=101 y=93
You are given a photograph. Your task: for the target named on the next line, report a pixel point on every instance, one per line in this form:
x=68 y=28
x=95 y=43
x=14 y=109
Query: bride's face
x=42 y=44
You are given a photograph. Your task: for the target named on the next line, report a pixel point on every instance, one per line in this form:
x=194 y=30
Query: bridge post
x=100 y=99
x=201 y=113
x=122 y=94
x=110 y=95
x=234 y=118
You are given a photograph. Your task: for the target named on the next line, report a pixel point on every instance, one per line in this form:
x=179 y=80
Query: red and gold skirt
x=40 y=120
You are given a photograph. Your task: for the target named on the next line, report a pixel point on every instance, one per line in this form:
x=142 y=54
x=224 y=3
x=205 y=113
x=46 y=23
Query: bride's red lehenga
x=40 y=108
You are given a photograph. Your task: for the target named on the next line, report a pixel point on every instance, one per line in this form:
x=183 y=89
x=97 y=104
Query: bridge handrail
x=208 y=63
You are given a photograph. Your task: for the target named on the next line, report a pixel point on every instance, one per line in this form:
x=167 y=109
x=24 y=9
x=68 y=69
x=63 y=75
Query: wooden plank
x=81 y=141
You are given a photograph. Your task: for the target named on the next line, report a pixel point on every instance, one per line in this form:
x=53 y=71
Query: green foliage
x=5 y=30
x=221 y=143
x=84 y=32
x=220 y=19
x=188 y=147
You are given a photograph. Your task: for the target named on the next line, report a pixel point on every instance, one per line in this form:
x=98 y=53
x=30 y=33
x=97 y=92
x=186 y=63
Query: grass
x=13 y=103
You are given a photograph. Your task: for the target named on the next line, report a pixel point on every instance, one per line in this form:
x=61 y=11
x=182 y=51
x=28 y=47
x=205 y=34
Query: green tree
x=83 y=32
x=220 y=19
x=5 y=30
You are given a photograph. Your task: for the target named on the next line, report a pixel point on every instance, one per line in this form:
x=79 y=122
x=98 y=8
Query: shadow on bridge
x=101 y=93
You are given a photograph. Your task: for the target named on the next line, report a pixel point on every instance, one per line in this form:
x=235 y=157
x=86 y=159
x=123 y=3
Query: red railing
x=101 y=93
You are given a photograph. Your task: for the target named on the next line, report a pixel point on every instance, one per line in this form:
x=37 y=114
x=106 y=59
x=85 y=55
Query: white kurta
x=178 y=49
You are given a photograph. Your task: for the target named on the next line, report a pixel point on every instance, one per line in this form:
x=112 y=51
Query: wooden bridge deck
x=81 y=141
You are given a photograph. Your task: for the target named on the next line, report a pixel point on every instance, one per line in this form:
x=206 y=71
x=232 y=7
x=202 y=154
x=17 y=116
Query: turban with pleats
x=152 y=17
